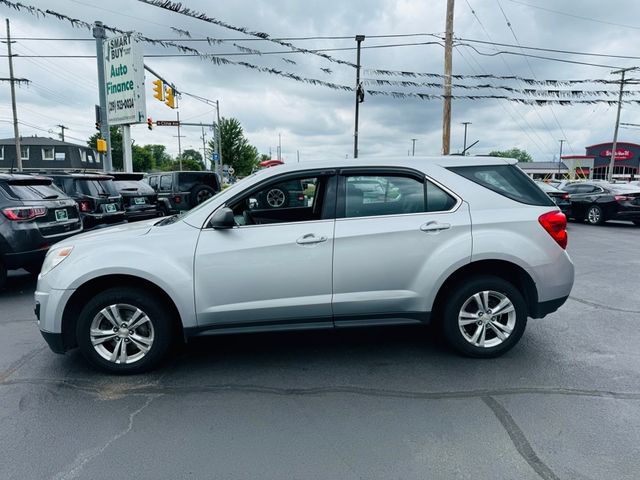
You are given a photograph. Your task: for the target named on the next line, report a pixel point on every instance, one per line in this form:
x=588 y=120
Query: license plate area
x=110 y=207
x=62 y=215
x=139 y=201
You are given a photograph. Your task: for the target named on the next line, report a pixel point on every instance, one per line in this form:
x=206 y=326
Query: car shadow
x=18 y=282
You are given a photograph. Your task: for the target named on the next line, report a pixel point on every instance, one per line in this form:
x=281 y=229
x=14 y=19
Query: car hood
x=112 y=234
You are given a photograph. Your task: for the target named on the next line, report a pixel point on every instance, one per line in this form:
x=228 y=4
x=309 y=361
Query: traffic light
x=98 y=126
x=169 y=97
x=149 y=123
x=158 y=89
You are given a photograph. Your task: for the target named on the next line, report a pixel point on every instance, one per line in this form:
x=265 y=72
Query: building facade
x=594 y=164
x=42 y=153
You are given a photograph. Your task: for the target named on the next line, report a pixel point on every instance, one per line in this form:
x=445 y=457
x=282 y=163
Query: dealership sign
x=620 y=154
x=124 y=80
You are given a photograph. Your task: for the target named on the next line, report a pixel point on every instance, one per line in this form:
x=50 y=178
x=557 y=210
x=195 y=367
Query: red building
x=595 y=163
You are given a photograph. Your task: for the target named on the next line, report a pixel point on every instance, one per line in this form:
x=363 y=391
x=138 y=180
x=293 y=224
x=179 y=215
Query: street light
x=413 y=150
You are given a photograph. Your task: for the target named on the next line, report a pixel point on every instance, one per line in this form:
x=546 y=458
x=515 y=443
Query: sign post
x=124 y=85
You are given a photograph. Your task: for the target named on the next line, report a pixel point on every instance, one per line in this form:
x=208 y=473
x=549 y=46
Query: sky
x=316 y=122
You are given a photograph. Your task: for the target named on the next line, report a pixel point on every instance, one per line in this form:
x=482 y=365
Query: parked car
x=560 y=197
x=35 y=215
x=288 y=194
x=597 y=202
x=99 y=202
x=181 y=191
x=469 y=242
x=139 y=199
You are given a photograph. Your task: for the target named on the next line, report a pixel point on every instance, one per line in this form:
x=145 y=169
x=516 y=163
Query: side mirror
x=223 y=218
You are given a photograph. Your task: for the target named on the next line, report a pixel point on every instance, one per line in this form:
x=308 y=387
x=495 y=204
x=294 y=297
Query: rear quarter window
x=32 y=192
x=506 y=180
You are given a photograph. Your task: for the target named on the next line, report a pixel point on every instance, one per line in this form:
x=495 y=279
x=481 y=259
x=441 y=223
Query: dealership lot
x=382 y=403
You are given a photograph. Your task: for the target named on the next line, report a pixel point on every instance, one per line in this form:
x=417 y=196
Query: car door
x=393 y=244
x=274 y=269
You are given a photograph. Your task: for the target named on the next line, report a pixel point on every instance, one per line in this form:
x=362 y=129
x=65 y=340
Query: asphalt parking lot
x=358 y=404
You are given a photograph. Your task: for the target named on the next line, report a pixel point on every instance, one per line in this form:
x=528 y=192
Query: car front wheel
x=124 y=330
x=484 y=317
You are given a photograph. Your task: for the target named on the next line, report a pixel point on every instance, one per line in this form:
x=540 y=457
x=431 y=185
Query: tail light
x=565 y=196
x=555 y=223
x=177 y=199
x=622 y=198
x=85 y=206
x=24 y=213
x=301 y=197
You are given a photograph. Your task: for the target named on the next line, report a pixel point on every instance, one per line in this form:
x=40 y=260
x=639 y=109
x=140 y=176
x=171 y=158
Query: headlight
x=53 y=259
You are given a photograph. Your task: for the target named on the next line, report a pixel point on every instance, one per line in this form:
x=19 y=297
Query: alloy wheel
x=122 y=333
x=594 y=215
x=487 y=319
x=275 y=198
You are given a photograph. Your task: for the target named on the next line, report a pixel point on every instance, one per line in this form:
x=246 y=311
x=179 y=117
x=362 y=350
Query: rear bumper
x=21 y=259
x=90 y=220
x=543 y=309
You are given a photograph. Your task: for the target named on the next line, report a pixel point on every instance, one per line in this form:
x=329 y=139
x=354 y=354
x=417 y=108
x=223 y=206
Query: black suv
x=99 y=202
x=139 y=199
x=180 y=191
x=34 y=215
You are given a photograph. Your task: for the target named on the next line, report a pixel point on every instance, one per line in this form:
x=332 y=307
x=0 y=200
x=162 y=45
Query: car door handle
x=434 y=226
x=309 y=239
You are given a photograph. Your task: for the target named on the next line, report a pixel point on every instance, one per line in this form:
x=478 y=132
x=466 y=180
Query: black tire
x=201 y=193
x=595 y=215
x=275 y=198
x=636 y=223
x=3 y=275
x=462 y=297
x=160 y=330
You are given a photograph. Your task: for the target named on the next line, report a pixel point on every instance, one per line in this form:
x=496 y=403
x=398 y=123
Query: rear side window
x=166 y=181
x=507 y=180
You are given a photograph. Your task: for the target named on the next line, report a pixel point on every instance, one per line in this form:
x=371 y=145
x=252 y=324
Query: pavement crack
x=519 y=439
x=102 y=390
x=86 y=456
x=19 y=363
x=600 y=305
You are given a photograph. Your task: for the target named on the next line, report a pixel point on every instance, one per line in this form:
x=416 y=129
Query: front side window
x=292 y=200
x=24 y=153
x=153 y=182
x=48 y=153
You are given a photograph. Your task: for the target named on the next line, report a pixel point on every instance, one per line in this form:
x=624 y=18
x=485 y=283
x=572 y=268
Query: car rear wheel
x=484 y=317
x=276 y=198
x=595 y=215
x=124 y=330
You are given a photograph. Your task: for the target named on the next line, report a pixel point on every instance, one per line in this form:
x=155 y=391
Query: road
x=358 y=404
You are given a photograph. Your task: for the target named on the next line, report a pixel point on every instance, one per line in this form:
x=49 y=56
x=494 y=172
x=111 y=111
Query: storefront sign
x=620 y=154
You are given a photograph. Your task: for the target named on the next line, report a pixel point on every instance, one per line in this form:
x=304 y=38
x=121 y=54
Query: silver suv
x=471 y=243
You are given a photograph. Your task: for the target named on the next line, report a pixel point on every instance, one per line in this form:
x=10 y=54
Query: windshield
x=96 y=188
x=132 y=186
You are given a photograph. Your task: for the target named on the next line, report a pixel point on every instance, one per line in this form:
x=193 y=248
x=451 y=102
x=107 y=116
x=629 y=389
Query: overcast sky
x=318 y=121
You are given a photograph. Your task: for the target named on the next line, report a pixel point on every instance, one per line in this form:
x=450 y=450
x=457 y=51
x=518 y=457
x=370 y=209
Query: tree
x=160 y=156
x=236 y=150
x=116 y=146
x=264 y=157
x=142 y=159
x=192 y=157
x=520 y=155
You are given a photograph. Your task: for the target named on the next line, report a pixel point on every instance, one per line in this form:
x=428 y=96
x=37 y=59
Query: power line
x=572 y=15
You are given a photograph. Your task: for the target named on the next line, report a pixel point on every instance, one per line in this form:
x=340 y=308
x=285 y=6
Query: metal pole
x=615 y=132
x=464 y=147
x=413 y=150
x=126 y=149
x=446 y=109
x=204 y=149
x=179 y=144
x=99 y=35
x=560 y=157
x=219 y=130
x=359 y=40
x=280 y=146
x=16 y=133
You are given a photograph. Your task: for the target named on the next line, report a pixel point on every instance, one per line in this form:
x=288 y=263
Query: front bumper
x=49 y=307
x=55 y=341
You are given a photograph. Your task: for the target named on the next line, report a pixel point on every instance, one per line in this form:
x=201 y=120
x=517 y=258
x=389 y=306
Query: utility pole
x=204 y=148
x=615 y=132
x=464 y=148
x=280 y=147
x=446 y=109
x=560 y=157
x=12 y=81
x=62 y=128
x=179 y=144
x=99 y=35
x=413 y=149
x=298 y=154
x=359 y=95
